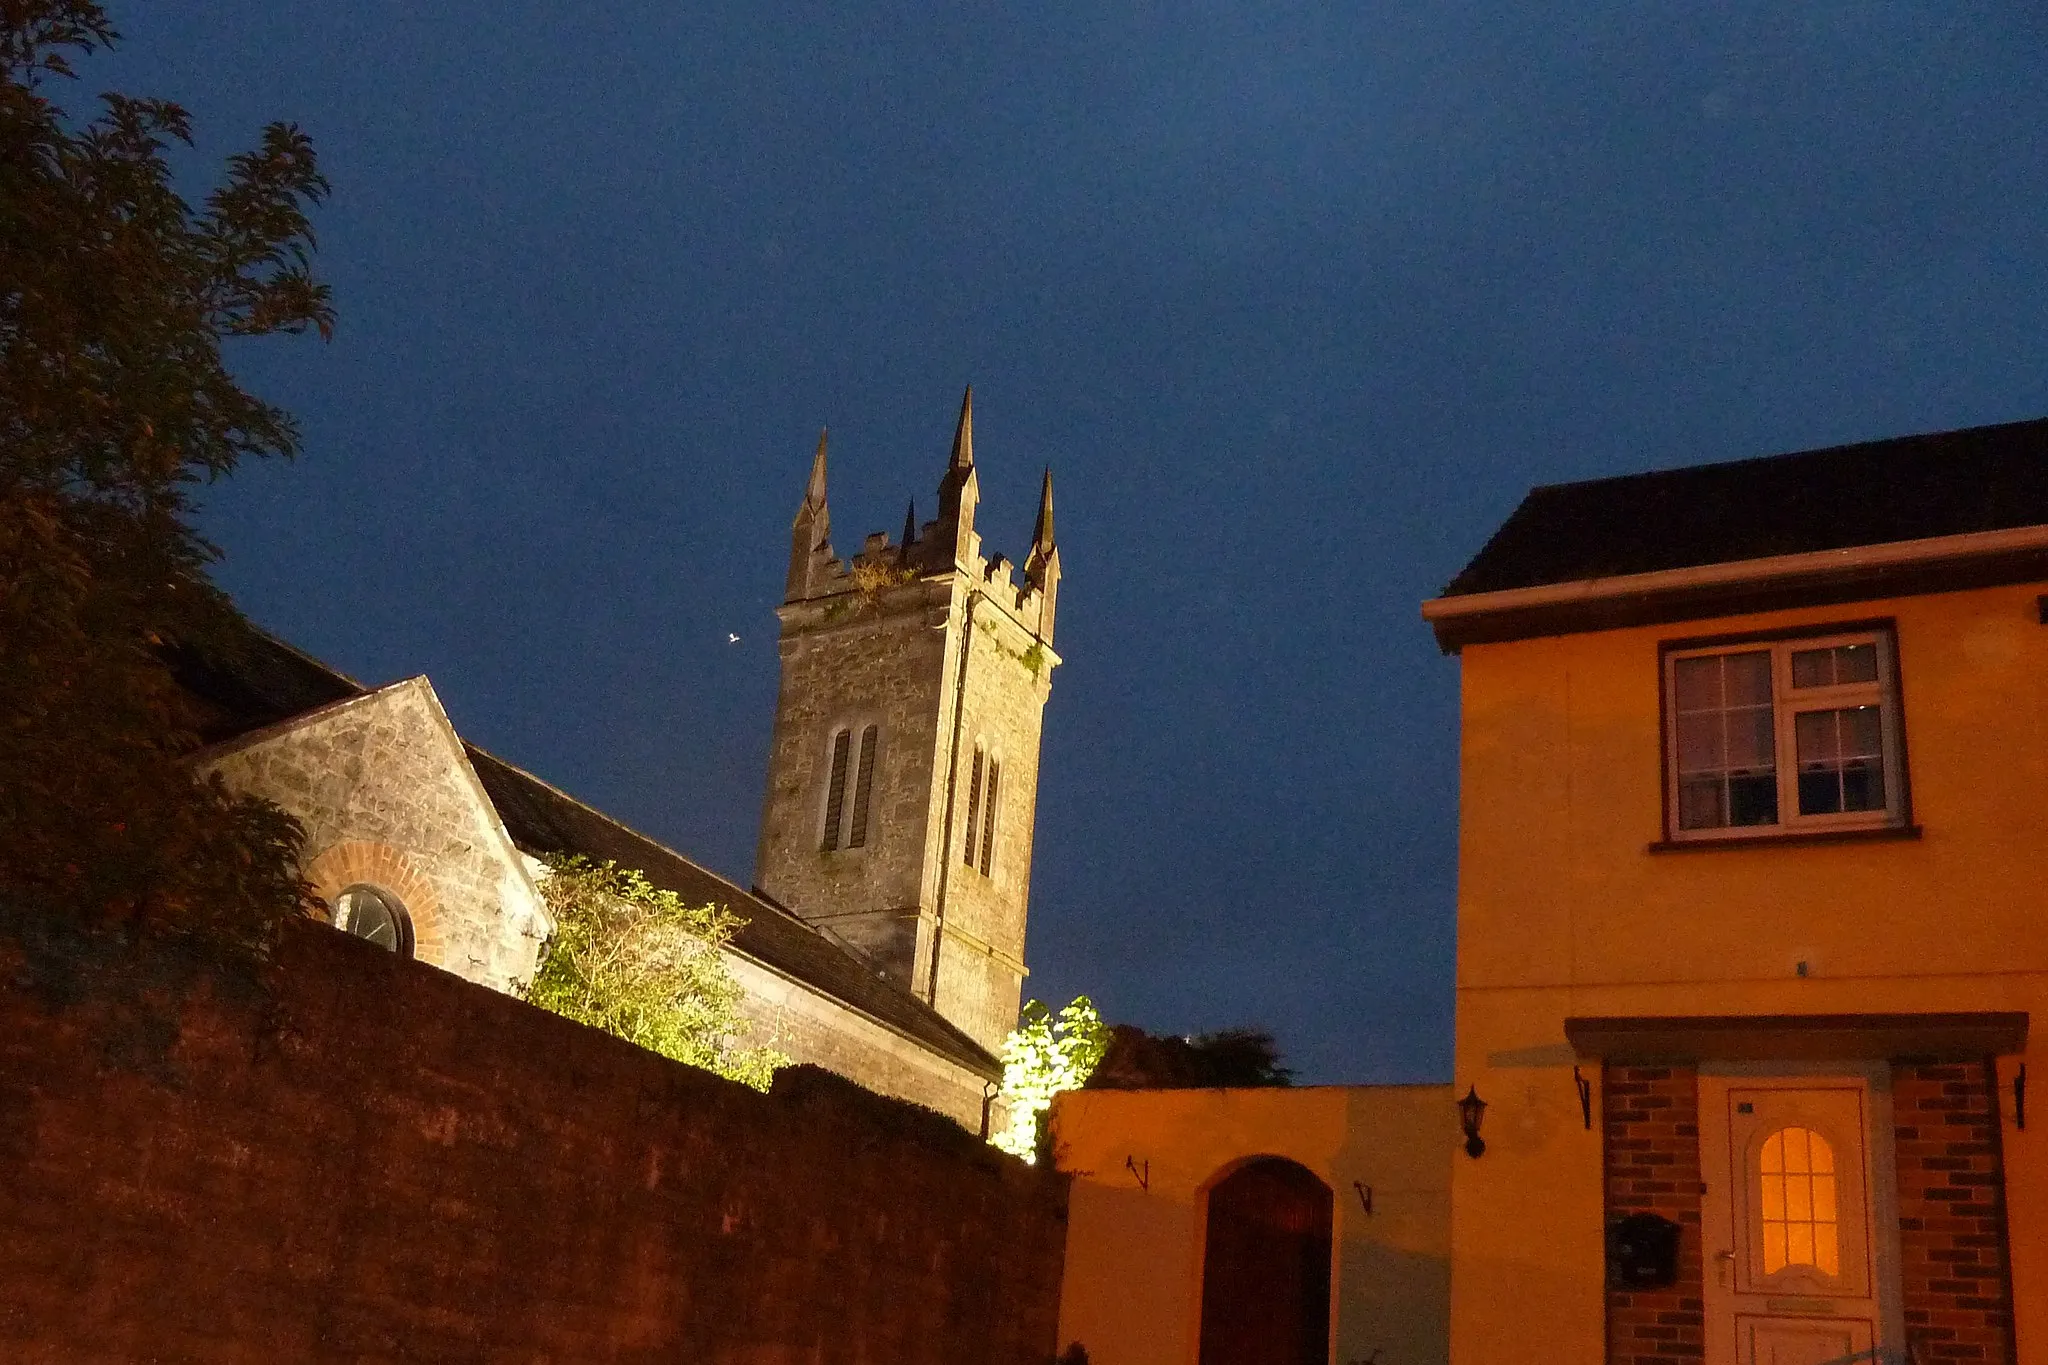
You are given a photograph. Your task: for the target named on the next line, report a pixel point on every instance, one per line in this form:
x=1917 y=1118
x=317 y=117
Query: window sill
x=1876 y=833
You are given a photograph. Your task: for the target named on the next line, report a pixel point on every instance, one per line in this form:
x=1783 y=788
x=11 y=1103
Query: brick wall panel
x=1652 y=1145
x=369 y=1160
x=1952 y=1229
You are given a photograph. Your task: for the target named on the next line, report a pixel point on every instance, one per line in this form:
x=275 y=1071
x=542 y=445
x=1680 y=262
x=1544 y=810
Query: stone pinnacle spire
x=963 y=436
x=814 y=493
x=960 y=490
x=1041 y=534
x=909 y=530
x=810 y=535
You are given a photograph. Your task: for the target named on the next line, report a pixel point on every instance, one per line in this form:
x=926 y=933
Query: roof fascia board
x=2012 y=555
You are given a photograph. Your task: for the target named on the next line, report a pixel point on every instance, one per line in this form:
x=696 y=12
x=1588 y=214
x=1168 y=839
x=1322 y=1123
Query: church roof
x=258 y=681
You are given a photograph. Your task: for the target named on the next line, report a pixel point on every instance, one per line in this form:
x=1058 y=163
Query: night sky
x=1297 y=300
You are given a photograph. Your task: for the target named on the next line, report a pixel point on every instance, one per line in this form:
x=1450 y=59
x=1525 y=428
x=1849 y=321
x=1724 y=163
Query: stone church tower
x=903 y=773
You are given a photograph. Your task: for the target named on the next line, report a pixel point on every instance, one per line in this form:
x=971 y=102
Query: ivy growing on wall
x=1045 y=1054
x=635 y=961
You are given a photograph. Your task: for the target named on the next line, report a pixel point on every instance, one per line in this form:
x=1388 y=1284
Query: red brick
x=360 y=1158
x=1952 y=1233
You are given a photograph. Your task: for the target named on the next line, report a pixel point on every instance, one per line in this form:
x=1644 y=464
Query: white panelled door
x=1792 y=1257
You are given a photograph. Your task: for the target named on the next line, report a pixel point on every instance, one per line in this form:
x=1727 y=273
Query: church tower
x=903 y=773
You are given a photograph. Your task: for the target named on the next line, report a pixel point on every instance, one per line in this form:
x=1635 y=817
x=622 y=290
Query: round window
x=375 y=914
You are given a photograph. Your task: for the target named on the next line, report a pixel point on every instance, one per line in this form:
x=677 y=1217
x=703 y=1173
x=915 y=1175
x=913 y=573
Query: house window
x=1797 y=1169
x=1779 y=736
x=978 y=839
x=843 y=828
x=371 y=912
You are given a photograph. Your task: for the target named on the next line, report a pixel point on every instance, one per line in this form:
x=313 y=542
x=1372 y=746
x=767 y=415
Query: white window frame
x=1786 y=702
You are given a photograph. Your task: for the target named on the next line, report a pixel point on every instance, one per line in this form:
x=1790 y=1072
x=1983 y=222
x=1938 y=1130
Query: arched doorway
x=1266 y=1267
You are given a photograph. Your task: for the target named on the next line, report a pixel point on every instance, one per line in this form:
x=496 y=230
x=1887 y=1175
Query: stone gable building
x=884 y=938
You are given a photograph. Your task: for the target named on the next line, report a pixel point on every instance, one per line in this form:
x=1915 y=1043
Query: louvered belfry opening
x=1266 y=1267
x=988 y=816
x=835 y=790
x=973 y=808
x=863 y=783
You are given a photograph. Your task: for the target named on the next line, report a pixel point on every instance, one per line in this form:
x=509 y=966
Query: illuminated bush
x=635 y=961
x=1045 y=1054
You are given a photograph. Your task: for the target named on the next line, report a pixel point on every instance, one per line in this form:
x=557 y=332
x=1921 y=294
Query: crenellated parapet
x=946 y=545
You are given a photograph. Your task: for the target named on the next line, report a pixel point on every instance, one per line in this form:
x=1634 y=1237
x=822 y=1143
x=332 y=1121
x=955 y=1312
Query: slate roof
x=1990 y=478
x=246 y=684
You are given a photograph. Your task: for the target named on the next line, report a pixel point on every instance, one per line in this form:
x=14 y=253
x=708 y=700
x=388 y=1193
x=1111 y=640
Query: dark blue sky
x=1296 y=299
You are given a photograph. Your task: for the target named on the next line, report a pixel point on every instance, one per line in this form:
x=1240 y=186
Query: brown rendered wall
x=1956 y=1277
x=357 y=1158
x=1651 y=1115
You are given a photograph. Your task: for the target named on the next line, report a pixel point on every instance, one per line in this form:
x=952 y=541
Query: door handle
x=1722 y=1261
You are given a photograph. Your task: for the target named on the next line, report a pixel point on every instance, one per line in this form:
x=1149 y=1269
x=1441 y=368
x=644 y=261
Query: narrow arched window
x=863 y=785
x=1800 y=1225
x=988 y=815
x=835 y=789
x=973 y=809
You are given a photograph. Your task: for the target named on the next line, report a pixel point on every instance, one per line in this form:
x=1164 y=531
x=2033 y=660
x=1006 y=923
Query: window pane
x=1747 y=679
x=1774 y=1247
x=1856 y=663
x=1724 y=737
x=1696 y=683
x=1701 y=742
x=1813 y=667
x=1753 y=800
x=1841 y=760
x=1700 y=804
x=1752 y=739
x=1862 y=732
x=1835 y=665
x=1863 y=786
x=1799 y=1199
x=1817 y=735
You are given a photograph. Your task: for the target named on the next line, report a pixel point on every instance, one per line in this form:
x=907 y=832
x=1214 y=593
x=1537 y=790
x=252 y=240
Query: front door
x=1792 y=1257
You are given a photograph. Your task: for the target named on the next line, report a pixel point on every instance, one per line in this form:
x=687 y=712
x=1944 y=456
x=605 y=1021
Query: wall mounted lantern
x=1471 y=1110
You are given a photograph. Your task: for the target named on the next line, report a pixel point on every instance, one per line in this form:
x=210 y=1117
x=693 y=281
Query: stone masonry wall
x=1004 y=710
x=813 y=1028
x=884 y=664
x=358 y=1158
x=1952 y=1229
x=1651 y=1117
x=386 y=795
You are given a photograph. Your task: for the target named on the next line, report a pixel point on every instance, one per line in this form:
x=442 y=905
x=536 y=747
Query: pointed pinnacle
x=814 y=495
x=963 y=435
x=910 y=524
x=1041 y=535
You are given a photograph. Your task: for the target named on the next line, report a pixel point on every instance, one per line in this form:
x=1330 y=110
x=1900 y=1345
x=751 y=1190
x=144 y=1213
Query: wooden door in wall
x=1266 y=1267
x=1792 y=1257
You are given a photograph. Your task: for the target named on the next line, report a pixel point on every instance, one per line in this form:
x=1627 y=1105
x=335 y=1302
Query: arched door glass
x=1800 y=1223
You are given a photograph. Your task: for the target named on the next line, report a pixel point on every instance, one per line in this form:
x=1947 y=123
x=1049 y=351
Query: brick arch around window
x=343 y=865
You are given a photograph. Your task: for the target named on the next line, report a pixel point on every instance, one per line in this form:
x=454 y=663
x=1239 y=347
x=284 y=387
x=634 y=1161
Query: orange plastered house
x=1753 y=912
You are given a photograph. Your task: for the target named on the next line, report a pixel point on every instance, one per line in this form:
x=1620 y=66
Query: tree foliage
x=1045 y=1054
x=116 y=404
x=635 y=961
x=1137 y=1060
